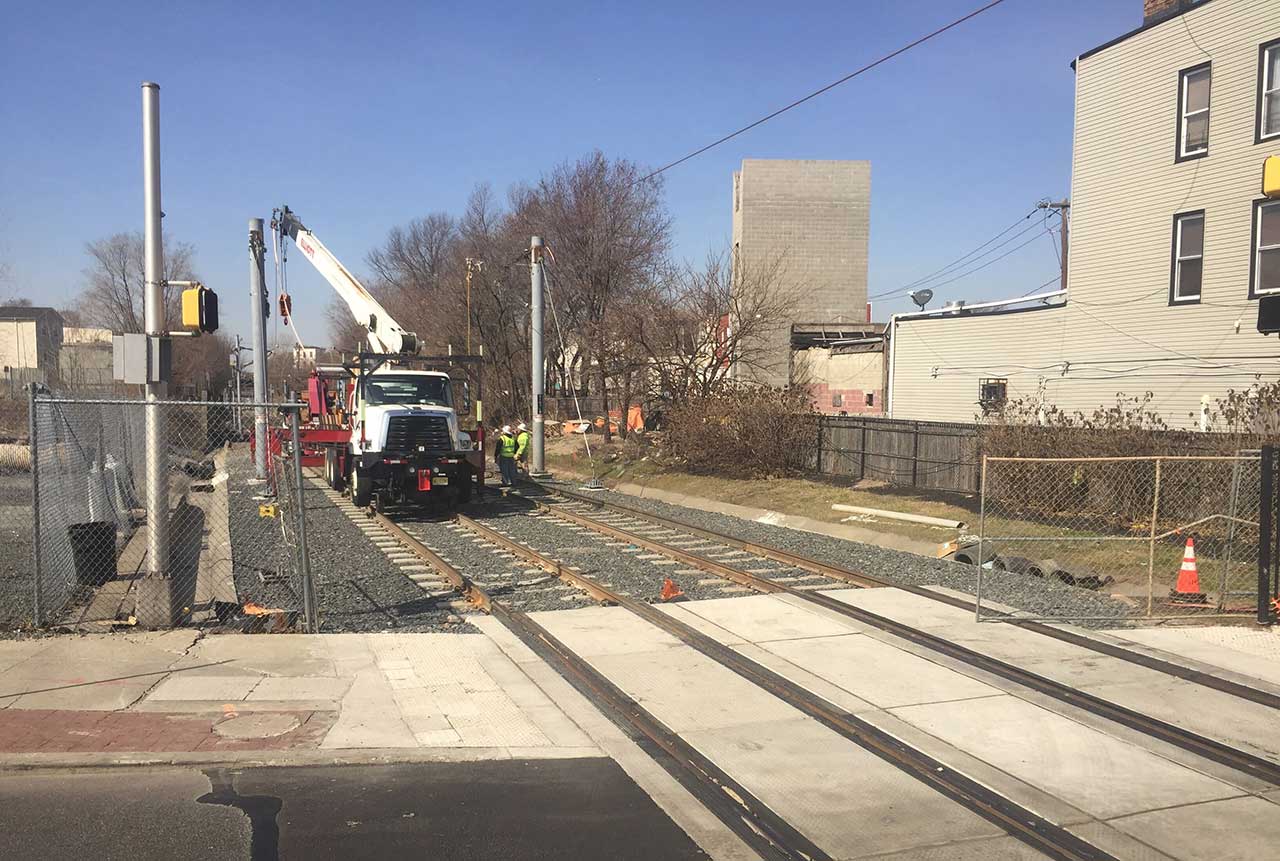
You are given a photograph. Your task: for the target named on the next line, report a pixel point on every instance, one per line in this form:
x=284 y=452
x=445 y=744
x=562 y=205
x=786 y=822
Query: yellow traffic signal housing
x=1271 y=176
x=200 y=309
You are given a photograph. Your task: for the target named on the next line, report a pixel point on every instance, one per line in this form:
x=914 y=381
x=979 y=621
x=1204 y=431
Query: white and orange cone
x=1187 y=589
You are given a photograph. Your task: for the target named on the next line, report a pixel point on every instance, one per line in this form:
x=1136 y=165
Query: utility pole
x=536 y=363
x=258 y=319
x=1063 y=208
x=473 y=265
x=239 y=369
x=154 y=602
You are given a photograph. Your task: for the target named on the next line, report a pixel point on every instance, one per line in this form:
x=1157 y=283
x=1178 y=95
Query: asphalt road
x=522 y=809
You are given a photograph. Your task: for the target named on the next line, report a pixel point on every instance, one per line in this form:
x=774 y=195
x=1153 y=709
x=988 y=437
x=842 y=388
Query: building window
x=1269 y=91
x=1193 y=112
x=871 y=399
x=837 y=400
x=992 y=395
x=1188 y=258
x=1264 y=269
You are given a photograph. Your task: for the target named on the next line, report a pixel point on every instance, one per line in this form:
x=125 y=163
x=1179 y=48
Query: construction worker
x=505 y=454
x=522 y=446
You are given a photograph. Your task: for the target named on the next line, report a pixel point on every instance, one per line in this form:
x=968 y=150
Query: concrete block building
x=814 y=216
x=30 y=338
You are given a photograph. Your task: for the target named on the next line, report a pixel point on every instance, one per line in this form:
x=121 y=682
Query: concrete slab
x=682 y=613
x=1085 y=767
x=688 y=691
x=762 y=618
x=1240 y=829
x=1248 y=651
x=878 y=672
x=300 y=688
x=987 y=849
x=845 y=799
x=1110 y=839
x=369 y=717
x=831 y=693
x=183 y=687
x=604 y=631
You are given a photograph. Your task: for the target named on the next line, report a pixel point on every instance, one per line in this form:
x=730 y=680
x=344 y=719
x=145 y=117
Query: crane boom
x=385 y=334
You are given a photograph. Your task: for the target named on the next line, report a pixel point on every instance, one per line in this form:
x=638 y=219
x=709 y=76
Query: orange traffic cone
x=670 y=590
x=1187 y=590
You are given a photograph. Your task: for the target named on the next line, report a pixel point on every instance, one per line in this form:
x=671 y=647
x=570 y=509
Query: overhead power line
x=816 y=93
x=965 y=258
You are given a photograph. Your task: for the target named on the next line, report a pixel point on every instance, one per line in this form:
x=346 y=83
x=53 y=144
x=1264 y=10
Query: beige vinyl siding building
x=1136 y=167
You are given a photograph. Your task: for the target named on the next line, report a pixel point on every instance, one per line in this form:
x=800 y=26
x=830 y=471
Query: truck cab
x=405 y=444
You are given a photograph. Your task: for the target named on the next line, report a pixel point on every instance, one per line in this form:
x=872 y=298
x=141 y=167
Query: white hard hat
x=522 y=426
x=506 y=428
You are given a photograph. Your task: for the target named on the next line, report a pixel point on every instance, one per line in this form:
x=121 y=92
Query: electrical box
x=200 y=309
x=141 y=359
x=1271 y=177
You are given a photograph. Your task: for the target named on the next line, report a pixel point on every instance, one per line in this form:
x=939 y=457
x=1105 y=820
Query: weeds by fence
x=1126 y=527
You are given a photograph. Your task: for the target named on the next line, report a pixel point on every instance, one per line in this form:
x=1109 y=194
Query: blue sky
x=362 y=116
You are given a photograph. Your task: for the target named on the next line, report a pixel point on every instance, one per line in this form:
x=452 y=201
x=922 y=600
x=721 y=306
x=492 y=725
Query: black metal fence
x=925 y=455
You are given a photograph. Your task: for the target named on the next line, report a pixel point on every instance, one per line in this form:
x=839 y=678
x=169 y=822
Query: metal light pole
x=239 y=369
x=258 y=319
x=535 y=326
x=154 y=323
x=154 y=602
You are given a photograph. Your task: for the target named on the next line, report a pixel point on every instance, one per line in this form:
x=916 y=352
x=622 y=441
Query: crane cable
x=284 y=303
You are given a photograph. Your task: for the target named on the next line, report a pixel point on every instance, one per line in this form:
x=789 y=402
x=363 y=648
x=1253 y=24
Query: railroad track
x=1146 y=724
x=864 y=580
x=718 y=790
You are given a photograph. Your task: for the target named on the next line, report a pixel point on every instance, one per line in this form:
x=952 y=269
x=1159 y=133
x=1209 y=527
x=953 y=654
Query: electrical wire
x=990 y=262
x=960 y=261
x=868 y=67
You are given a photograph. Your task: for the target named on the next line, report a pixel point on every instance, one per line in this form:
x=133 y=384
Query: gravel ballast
x=1032 y=595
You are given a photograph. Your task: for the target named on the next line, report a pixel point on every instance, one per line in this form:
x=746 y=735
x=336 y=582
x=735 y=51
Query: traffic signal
x=200 y=309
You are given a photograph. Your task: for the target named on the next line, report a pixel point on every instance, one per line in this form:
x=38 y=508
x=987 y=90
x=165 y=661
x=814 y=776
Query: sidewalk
x=180 y=697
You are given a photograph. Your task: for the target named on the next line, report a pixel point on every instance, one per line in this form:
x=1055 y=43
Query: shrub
x=745 y=431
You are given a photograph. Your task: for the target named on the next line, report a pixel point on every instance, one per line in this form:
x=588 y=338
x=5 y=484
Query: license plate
x=441 y=479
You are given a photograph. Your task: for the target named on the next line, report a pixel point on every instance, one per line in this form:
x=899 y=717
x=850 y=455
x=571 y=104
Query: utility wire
x=990 y=262
x=819 y=92
x=965 y=259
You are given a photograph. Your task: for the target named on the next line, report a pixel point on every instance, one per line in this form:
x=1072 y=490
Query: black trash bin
x=93 y=550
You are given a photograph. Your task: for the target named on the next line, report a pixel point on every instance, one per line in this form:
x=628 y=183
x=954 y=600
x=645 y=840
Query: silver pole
x=300 y=510
x=536 y=363
x=239 y=369
x=258 y=319
x=33 y=430
x=154 y=322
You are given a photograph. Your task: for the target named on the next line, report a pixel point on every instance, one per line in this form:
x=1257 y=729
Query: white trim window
x=1193 y=111
x=1266 y=248
x=1188 y=257
x=1269 y=93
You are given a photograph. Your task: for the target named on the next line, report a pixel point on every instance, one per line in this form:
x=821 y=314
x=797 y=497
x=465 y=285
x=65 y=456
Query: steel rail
x=1014 y=819
x=1153 y=727
x=752 y=820
x=1190 y=674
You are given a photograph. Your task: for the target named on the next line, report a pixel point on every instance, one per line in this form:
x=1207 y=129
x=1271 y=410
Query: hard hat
x=506 y=428
x=521 y=426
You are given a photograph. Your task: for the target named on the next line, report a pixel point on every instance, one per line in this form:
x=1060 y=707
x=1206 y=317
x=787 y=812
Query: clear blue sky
x=362 y=116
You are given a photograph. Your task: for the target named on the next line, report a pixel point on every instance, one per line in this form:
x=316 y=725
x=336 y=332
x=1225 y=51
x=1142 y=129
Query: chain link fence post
x=35 y=503
x=1266 y=515
x=304 y=559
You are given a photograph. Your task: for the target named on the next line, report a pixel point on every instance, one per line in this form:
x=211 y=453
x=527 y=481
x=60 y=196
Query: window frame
x=1179 y=155
x=1259 y=135
x=1255 y=238
x=1176 y=258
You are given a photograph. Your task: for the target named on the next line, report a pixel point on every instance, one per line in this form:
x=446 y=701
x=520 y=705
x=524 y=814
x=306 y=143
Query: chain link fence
x=235 y=541
x=1149 y=537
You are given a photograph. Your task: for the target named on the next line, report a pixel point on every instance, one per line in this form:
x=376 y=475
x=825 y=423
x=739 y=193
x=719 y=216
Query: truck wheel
x=361 y=488
x=332 y=472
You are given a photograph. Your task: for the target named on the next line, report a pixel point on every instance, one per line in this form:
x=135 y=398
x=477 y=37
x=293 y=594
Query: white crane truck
x=390 y=431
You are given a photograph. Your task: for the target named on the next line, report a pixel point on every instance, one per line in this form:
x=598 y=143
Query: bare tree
x=701 y=328
x=113 y=297
x=609 y=232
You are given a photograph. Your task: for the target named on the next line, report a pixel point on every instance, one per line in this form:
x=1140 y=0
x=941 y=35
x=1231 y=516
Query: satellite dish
x=921 y=297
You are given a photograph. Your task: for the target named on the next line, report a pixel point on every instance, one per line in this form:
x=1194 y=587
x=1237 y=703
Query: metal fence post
x=1151 y=551
x=32 y=427
x=1266 y=510
x=982 y=534
x=304 y=559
